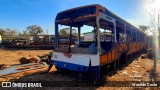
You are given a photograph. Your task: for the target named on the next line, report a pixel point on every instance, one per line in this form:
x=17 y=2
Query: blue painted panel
x=56 y=35
x=74 y=67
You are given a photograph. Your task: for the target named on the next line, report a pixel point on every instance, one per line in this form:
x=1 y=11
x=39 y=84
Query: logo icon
x=6 y=84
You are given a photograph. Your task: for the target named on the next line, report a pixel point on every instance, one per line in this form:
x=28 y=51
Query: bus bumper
x=75 y=67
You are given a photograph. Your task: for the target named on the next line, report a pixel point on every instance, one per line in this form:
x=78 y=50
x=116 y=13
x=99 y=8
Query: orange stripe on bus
x=113 y=54
x=103 y=59
x=109 y=56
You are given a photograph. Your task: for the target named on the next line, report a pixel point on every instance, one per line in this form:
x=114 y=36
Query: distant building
x=38 y=37
x=89 y=36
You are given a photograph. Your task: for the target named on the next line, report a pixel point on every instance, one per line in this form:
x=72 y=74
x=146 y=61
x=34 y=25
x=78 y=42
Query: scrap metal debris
x=44 y=58
x=2 y=66
x=23 y=68
x=24 y=60
x=27 y=64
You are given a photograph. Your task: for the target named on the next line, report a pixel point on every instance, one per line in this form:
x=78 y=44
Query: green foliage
x=34 y=30
x=24 y=34
x=66 y=32
x=8 y=32
x=143 y=28
x=63 y=32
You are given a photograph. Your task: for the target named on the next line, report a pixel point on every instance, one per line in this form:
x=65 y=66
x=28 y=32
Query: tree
x=24 y=34
x=66 y=32
x=74 y=32
x=34 y=30
x=153 y=10
x=8 y=31
x=63 y=32
x=2 y=32
x=143 y=28
x=11 y=32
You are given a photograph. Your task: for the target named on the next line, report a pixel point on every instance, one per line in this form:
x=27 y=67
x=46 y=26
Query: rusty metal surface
x=2 y=66
x=23 y=68
x=24 y=60
x=33 y=60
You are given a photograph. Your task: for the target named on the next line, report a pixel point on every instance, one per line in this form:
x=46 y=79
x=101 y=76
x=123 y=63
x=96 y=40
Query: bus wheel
x=98 y=78
x=115 y=65
x=58 y=69
x=80 y=76
x=123 y=59
x=126 y=59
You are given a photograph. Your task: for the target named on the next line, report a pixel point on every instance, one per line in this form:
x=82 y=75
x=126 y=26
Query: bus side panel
x=114 y=54
x=136 y=46
x=103 y=59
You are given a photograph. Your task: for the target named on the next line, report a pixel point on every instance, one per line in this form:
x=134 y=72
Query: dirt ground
x=137 y=70
x=10 y=57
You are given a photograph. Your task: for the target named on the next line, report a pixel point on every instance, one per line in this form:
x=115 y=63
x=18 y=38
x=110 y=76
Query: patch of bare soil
x=138 y=70
x=10 y=57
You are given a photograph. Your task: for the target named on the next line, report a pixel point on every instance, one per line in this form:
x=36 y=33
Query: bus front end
x=80 y=55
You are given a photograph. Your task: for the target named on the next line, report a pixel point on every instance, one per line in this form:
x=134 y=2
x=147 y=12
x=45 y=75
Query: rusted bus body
x=79 y=18
x=114 y=40
x=116 y=52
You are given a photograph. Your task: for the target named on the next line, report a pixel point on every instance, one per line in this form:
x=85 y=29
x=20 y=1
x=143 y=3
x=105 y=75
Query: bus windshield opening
x=83 y=38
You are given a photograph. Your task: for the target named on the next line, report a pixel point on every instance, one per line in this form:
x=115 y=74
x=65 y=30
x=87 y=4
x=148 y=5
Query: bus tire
x=115 y=65
x=123 y=58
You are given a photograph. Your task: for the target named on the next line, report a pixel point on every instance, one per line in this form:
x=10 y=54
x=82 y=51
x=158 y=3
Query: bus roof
x=96 y=5
x=90 y=11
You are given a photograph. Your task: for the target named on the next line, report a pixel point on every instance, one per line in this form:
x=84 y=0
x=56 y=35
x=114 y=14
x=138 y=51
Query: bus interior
x=85 y=47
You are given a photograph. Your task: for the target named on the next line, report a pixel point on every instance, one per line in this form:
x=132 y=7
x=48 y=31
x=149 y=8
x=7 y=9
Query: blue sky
x=18 y=14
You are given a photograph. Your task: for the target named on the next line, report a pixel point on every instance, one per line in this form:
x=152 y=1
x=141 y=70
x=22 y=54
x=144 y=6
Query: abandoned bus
x=114 y=41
